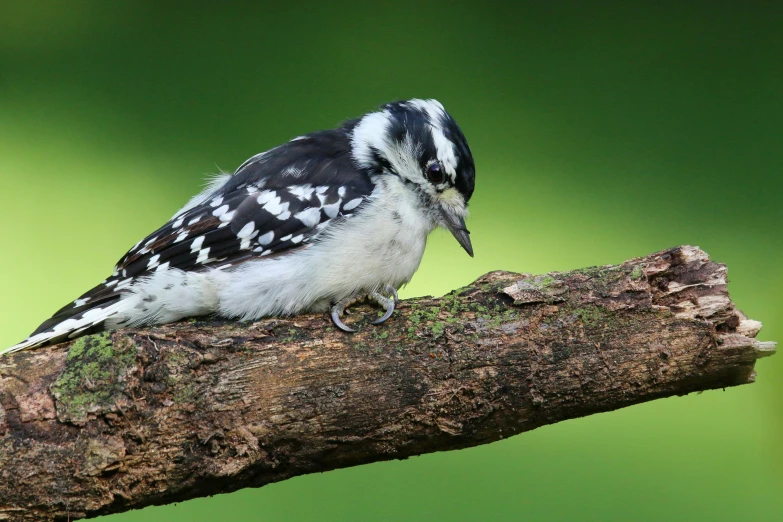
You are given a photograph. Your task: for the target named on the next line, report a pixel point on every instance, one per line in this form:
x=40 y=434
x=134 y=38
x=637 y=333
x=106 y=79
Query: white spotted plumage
x=310 y=223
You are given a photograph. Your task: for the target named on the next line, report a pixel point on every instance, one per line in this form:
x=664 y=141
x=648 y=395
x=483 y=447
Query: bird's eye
x=435 y=173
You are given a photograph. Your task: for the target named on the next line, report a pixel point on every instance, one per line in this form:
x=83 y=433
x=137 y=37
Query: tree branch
x=114 y=422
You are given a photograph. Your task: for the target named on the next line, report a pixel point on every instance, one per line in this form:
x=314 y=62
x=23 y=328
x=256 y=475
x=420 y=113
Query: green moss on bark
x=94 y=378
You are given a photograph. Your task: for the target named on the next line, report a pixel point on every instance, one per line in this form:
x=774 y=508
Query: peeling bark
x=119 y=421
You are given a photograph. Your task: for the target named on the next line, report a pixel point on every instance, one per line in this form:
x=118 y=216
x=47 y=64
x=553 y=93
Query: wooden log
x=118 y=421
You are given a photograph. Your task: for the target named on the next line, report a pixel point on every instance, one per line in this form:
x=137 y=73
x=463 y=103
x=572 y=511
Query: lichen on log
x=119 y=421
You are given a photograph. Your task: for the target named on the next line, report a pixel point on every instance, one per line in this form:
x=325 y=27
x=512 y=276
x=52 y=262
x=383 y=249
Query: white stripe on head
x=403 y=157
x=445 y=152
x=445 y=149
x=370 y=133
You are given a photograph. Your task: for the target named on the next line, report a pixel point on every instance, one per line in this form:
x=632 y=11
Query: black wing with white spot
x=276 y=202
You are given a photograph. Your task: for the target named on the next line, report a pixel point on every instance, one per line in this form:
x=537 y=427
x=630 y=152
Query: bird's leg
x=388 y=303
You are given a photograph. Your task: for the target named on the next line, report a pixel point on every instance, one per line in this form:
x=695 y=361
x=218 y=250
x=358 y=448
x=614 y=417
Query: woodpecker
x=315 y=224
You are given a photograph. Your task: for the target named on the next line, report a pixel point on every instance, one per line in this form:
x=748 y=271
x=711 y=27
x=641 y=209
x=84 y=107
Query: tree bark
x=113 y=422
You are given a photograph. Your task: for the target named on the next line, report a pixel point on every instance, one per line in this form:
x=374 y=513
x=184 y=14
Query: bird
x=316 y=224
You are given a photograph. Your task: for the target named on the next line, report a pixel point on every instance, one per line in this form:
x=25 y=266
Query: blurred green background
x=601 y=131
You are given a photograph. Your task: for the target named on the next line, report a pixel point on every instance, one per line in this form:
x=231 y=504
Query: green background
x=600 y=131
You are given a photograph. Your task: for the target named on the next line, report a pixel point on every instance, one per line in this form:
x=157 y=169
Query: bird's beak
x=456 y=225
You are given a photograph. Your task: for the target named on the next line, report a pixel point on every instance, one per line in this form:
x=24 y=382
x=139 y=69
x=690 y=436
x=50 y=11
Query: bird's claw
x=337 y=312
x=388 y=303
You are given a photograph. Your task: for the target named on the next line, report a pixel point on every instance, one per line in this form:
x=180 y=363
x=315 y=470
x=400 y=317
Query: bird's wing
x=275 y=203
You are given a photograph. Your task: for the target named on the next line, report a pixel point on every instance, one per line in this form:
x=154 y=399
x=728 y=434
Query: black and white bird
x=314 y=224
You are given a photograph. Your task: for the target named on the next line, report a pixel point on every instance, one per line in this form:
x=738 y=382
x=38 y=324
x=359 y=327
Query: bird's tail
x=70 y=322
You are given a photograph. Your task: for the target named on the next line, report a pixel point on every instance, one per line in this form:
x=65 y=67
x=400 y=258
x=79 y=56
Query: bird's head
x=418 y=141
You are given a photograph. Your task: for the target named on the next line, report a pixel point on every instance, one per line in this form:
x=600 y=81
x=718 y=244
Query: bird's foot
x=388 y=304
